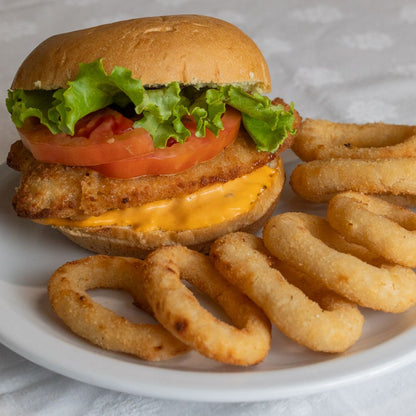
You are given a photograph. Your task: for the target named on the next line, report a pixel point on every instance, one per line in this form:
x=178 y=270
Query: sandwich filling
x=211 y=205
x=138 y=120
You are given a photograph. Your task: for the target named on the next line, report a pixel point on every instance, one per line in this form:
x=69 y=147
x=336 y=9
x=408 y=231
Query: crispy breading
x=58 y=191
x=54 y=190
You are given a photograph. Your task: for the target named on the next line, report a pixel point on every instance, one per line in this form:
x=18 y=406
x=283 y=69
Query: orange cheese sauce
x=208 y=206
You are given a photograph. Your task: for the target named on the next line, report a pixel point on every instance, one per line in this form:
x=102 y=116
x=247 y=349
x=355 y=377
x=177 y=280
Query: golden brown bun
x=123 y=241
x=190 y=49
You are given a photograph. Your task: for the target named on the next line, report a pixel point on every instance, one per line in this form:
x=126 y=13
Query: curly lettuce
x=160 y=110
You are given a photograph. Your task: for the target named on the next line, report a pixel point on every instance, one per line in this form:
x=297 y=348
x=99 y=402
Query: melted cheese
x=208 y=206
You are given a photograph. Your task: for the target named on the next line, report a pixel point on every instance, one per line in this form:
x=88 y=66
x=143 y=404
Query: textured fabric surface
x=349 y=61
x=26 y=389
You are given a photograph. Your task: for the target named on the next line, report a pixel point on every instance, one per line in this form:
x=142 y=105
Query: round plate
x=30 y=253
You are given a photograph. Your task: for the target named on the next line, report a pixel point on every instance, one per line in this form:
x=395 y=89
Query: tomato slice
x=107 y=142
x=179 y=156
x=101 y=137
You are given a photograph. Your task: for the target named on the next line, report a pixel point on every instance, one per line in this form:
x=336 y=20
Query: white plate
x=29 y=253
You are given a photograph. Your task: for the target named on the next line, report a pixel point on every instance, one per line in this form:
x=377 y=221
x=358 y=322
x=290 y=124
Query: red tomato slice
x=107 y=142
x=101 y=137
x=179 y=156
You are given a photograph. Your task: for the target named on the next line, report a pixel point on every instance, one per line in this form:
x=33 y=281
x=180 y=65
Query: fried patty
x=57 y=191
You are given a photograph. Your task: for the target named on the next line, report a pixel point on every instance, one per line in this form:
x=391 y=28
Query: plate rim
x=172 y=384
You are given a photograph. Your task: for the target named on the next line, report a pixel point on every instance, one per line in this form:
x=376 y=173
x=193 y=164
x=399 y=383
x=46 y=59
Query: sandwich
x=148 y=132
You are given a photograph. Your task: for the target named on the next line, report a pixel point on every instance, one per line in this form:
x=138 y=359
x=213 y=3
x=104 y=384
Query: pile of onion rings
x=308 y=243
x=309 y=278
x=373 y=158
x=156 y=287
x=307 y=313
x=308 y=275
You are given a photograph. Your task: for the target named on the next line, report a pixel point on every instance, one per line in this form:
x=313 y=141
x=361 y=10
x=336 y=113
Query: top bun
x=189 y=49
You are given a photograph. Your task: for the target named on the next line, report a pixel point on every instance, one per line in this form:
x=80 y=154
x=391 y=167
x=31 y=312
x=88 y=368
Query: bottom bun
x=125 y=241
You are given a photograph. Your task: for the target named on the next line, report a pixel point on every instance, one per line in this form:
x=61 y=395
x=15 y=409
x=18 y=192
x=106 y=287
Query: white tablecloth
x=351 y=61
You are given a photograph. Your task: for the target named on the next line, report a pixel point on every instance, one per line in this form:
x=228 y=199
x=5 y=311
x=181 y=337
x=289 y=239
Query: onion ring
x=320 y=180
x=177 y=309
x=99 y=325
x=363 y=219
x=329 y=324
x=308 y=243
x=322 y=139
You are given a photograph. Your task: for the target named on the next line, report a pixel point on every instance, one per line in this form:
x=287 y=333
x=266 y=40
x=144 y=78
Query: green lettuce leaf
x=163 y=110
x=160 y=110
x=266 y=139
x=207 y=110
x=267 y=124
x=90 y=91
x=22 y=104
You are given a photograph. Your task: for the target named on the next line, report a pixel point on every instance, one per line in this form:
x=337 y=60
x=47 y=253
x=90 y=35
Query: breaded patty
x=58 y=191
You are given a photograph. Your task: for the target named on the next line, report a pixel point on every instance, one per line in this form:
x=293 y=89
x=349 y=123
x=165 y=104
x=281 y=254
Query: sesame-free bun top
x=190 y=49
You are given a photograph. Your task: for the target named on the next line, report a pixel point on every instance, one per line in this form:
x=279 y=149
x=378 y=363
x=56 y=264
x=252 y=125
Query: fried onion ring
x=323 y=139
x=309 y=244
x=99 y=325
x=363 y=219
x=320 y=180
x=329 y=324
x=177 y=309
